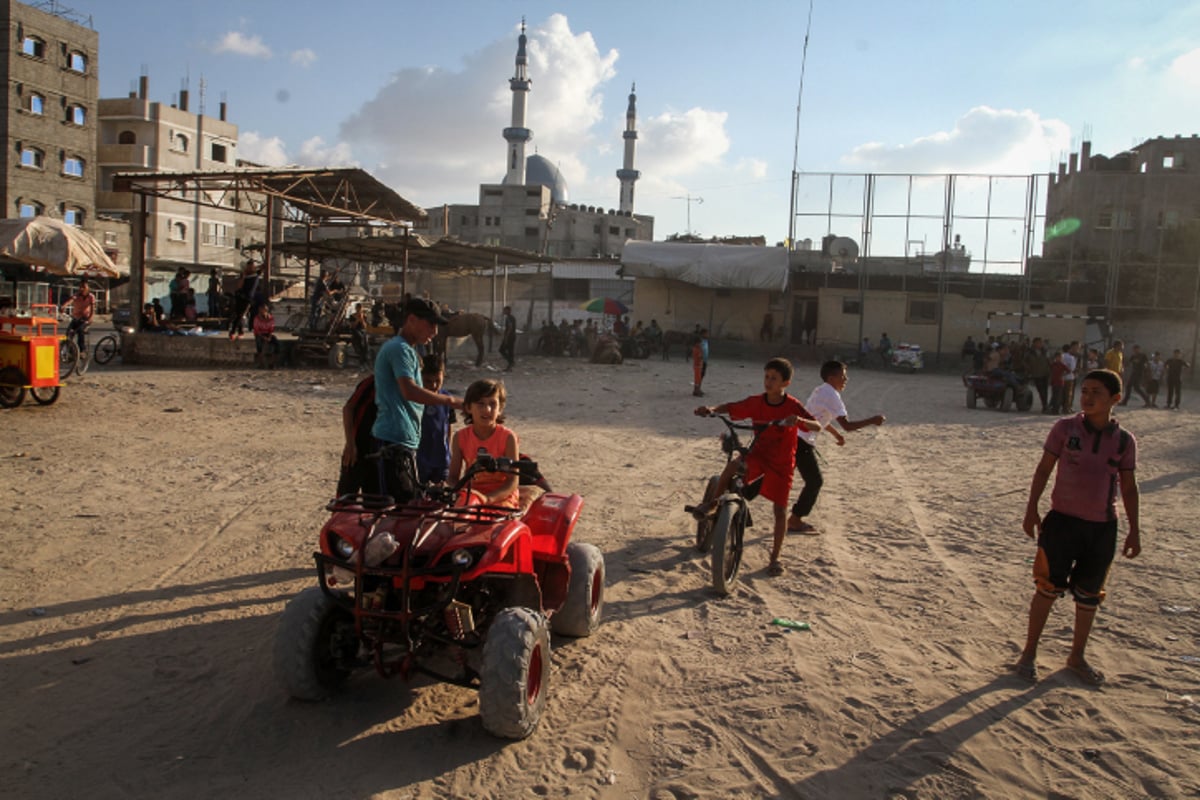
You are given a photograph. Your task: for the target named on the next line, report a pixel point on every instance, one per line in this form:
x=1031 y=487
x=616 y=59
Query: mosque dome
x=539 y=170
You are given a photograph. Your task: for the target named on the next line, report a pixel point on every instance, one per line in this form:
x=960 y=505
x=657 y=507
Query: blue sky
x=417 y=93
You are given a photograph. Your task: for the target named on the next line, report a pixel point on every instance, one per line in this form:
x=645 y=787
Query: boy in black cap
x=400 y=397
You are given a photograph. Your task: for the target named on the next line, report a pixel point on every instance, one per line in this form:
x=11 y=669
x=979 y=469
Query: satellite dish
x=843 y=249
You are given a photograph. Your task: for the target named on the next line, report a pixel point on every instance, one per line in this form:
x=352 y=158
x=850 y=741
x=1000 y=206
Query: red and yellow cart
x=29 y=360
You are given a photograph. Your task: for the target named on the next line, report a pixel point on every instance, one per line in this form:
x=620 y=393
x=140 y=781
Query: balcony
x=124 y=155
x=116 y=202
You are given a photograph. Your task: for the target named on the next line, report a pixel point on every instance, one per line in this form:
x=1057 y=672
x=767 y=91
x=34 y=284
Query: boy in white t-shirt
x=825 y=403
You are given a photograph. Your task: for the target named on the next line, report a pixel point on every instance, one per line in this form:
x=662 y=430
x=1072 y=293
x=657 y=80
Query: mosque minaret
x=518 y=134
x=627 y=174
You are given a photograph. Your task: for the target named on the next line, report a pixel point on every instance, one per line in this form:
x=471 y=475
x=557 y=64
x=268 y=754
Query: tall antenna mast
x=796 y=146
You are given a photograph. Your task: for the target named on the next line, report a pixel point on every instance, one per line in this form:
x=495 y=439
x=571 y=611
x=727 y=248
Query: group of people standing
x=1146 y=374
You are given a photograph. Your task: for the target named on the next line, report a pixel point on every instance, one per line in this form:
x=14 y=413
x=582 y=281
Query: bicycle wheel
x=85 y=360
x=704 y=527
x=44 y=395
x=68 y=358
x=106 y=348
x=727 y=547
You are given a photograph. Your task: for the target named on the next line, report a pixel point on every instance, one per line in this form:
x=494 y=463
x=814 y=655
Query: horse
x=461 y=326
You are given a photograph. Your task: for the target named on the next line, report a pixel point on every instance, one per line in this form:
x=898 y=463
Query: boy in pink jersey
x=1077 y=539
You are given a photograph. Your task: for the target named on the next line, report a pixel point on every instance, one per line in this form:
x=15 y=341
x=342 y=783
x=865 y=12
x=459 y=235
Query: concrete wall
x=733 y=314
x=888 y=312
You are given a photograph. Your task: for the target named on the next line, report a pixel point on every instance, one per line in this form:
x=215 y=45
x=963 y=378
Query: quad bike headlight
x=461 y=559
x=342 y=548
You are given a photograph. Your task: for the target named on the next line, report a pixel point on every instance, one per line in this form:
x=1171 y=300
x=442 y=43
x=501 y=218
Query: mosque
x=530 y=208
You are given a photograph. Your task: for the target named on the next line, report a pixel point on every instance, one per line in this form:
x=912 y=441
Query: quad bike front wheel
x=514 y=678
x=704 y=527
x=727 y=547
x=580 y=614
x=315 y=638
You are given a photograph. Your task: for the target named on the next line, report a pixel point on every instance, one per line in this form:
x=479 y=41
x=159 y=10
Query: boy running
x=825 y=404
x=774 y=448
x=1077 y=539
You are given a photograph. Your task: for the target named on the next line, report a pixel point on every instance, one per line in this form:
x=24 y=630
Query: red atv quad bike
x=445 y=587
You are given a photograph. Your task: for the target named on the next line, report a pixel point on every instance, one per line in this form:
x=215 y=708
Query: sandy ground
x=158 y=520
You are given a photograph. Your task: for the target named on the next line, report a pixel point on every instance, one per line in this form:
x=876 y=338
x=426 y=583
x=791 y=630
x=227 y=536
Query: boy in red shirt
x=1077 y=539
x=774 y=449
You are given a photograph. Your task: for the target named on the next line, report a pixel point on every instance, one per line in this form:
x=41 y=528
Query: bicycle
x=721 y=520
x=109 y=345
x=72 y=359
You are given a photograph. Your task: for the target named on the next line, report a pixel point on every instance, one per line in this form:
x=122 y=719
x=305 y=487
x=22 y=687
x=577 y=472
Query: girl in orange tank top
x=483 y=410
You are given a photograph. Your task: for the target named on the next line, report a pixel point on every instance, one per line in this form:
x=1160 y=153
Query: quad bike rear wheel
x=514 y=678
x=704 y=527
x=727 y=547
x=580 y=614
x=315 y=638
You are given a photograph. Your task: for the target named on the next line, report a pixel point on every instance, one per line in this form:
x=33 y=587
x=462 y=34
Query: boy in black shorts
x=1077 y=539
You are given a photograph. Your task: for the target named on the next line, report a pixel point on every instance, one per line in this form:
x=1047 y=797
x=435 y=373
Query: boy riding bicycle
x=775 y=447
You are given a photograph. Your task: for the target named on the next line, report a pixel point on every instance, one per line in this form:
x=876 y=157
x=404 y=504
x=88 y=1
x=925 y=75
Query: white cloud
x=677 y=144
x=303 y=57
x=315 y=152
x=984 y=140
x=240 y=44
x=269 y=151
x=1186 y=69
x=434 y=134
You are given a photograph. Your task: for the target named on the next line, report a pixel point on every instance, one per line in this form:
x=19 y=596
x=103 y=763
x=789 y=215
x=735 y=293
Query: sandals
x=775 y=569
x=804 y=528
x=1026 y=672
x=1087 y=673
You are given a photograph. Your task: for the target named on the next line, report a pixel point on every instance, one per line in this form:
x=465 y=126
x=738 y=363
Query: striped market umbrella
x=605 y=305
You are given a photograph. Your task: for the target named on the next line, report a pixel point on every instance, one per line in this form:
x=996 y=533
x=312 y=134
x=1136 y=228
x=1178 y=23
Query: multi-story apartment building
x=1135 y=203
x=48 y=119
x=137 y=134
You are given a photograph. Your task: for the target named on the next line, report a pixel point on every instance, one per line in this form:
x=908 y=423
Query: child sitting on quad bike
x=483 y=410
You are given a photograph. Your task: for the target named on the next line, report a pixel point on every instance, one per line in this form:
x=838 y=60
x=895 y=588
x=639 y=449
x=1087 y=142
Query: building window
x=531 y=232
x=216 y=234
x=73 y=216
x=493 y=193
x=180 y=143
x=1168 y=161
x=76 y=114
x=177 y=232
x=1168 y=219
x=30 y=208
x=1105 y=220
x=77 y=61
x=613 y=230
x=37 y=104
x=33 y=46
x=73 y=166
x=629 y=233
x=851 y=305
x=32 y=157
x=531 y=212
x=126 y=137
x=110 y=238
x=219 y=152
x=922 y=312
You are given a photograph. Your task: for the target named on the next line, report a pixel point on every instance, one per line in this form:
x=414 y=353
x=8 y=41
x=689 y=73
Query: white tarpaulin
x=712 y=266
